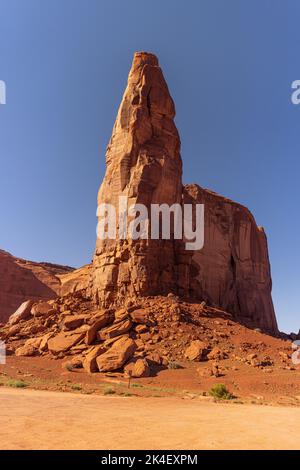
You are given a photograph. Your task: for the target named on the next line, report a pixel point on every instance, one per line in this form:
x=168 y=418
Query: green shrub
x=220 y=392
x=76 y=387
x=174 y=365
x=109 y=391
x=69 y=367
x=17 y=383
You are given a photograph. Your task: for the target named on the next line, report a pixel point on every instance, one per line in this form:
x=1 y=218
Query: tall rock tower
x=143 y=164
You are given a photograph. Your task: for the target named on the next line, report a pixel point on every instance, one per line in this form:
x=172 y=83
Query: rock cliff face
x=143 y=164
x=232 y=271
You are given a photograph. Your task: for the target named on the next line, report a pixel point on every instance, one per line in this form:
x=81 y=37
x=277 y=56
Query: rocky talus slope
x=140 y=339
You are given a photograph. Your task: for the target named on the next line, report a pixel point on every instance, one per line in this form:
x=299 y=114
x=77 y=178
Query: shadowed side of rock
x=232 y=271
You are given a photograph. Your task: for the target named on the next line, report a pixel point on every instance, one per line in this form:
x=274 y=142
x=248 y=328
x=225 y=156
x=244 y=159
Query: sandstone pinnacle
x=143 y=163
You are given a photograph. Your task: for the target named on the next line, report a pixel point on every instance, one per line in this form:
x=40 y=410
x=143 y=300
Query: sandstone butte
x=143 y=163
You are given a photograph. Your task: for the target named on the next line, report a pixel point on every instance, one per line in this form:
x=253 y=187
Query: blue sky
x=229 y=66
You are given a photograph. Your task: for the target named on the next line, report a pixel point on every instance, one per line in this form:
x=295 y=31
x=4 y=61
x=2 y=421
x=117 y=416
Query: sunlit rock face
x=143 y=164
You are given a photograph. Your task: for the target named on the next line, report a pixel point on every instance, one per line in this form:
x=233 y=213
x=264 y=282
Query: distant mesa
x=21 y=280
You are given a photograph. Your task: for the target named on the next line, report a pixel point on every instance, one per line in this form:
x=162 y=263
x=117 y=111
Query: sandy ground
x=32 y=419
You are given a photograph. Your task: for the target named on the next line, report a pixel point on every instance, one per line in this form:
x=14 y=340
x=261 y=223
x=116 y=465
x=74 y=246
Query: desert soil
x=248 y=384
x=34 y=419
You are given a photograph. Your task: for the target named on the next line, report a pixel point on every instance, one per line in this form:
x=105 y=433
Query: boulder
x=175 y=312
x=120 y=352
x=116 y=329
x=206 y=372
x=89 y=362
x=72 y=322
x=63 y=342
x=23 y=312
x=35 y=342
x=43 y=309
x=76 y=363
x=82 y=329
x=79 y=348
x=109 y=342
x=99 y=322
x=285 y=357
x=13 y=330
x=31 y=328
x=196 y=350
x=121 y=314
x=251 y=356
x=140 y=329
x=216 y=370
x=140 y=316
x=155 y=358
x=137 y=368
x=44 y=342
x=216 y=354
x=26 y=350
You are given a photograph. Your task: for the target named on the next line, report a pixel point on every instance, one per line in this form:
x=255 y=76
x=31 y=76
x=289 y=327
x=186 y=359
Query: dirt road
x=32 y=419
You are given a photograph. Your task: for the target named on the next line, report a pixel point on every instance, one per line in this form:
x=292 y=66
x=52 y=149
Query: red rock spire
x=143 y=163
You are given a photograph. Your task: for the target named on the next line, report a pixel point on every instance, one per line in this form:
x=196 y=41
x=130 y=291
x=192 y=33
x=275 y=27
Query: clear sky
x=229 y=66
